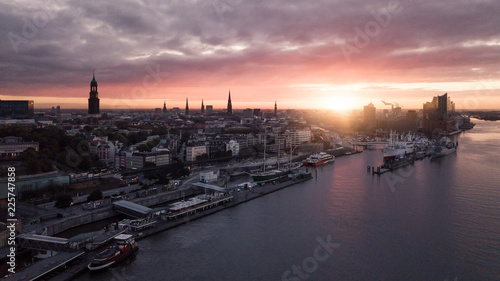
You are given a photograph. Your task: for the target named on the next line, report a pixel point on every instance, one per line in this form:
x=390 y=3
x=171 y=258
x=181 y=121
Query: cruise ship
x=319 y=159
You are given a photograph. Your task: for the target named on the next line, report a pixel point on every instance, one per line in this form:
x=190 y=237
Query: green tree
x=63 y=201
x=159 y=131
x=143 y=148
x=204 y=156
x=33 y=166
x=246 y=152
x=152 y=143
x=95 y=195
x=88 y=129
x=120 y=138
x=122 y=125
x=259 y=147
x=86 y=163
x=159 y=175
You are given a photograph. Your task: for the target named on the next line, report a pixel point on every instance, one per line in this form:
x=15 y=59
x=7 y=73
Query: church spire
x=275 y=109
x=229 y=105
x=93 y=96
x=164 y=106
x=202 y=107
x=187 y=107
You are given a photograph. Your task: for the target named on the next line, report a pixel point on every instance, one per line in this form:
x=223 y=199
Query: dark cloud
x=282 y=42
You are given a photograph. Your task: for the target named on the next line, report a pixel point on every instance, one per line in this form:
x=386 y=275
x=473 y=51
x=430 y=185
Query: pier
x=43 y=242
x=387 y=167
x=56 y=266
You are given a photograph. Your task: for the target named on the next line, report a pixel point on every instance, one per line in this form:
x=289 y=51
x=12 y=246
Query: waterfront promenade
x=164 y=223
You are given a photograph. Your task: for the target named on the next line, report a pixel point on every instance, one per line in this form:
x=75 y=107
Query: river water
x=436 y=220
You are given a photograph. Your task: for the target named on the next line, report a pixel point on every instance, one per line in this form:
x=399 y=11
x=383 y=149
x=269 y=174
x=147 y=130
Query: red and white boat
x=124 y=247
x=319 y=159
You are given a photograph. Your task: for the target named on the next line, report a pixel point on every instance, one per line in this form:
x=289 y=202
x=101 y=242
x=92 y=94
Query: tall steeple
x=93 y=96
x=202 y=107
x=275 y=109
x=164 y=107
x=187 y=107
x=229 y=105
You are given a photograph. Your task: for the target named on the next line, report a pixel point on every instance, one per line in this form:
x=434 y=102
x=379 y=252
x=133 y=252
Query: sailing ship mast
x=265 y=138
x=278 y=151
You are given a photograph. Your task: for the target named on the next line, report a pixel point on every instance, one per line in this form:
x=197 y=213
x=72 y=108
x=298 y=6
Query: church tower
x=94 y=97
x=164 y=107
x=229 y=105
x=187 y=107
x=275 y=109
x=202 y=107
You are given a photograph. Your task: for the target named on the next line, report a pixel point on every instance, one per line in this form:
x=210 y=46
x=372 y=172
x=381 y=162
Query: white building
x=210 y=176
x=246 y=140
x=234 y=146
x=300 y=136
x=104 y=149
x=194 y=150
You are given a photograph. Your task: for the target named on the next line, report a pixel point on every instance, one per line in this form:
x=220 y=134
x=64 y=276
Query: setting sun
x=340 y=102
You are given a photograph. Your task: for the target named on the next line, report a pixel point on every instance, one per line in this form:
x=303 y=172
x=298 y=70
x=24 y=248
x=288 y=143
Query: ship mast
x=278 y=151
x=265 y=138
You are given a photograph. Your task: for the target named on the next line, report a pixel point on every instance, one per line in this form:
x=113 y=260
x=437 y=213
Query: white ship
x=319 y=159
x=397 y=148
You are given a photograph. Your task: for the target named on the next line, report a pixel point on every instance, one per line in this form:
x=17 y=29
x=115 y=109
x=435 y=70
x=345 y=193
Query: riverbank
x=163 y=223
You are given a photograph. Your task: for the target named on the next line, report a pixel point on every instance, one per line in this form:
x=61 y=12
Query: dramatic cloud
x=151 y=50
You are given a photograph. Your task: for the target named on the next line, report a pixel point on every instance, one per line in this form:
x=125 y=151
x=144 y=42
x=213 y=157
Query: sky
x=322 y=54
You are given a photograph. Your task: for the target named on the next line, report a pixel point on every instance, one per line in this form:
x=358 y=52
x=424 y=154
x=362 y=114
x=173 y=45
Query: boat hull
x=395 y=153
x=444 y=153
x=102 y=265
x=99 y=267
x=268 y=177
x=314 y=164
x=318 y=159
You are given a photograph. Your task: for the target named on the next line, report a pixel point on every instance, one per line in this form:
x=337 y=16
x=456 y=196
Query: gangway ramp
x=43 y=242
x=212 y=187
x=131 y=209
x=41 y=269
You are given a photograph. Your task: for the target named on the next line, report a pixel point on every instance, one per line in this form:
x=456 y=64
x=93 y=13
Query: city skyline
x=304 y=55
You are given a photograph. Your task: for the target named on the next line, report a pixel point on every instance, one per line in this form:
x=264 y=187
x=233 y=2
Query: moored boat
x=398 y=148
x=268 y=176
x=444 y=147
x=319 y=159
x=124 y=247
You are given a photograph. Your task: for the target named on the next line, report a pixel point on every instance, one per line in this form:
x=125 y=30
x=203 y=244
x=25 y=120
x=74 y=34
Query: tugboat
x=124 y=247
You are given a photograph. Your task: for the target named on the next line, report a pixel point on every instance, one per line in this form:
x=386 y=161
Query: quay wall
x=238 y=198
x=107 y=212
x=103 y=213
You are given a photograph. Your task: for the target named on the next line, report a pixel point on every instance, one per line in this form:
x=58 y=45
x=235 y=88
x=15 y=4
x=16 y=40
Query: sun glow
x=340 y=102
